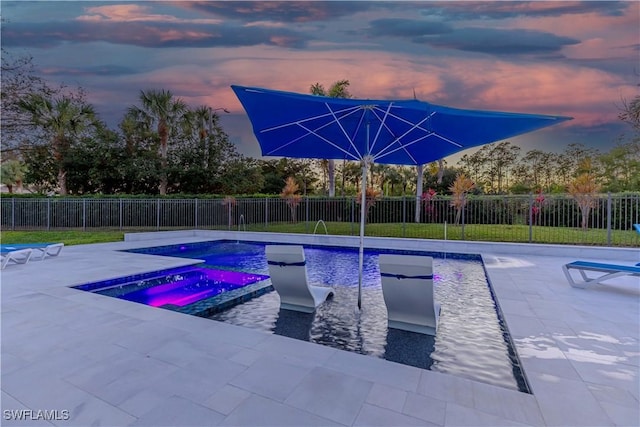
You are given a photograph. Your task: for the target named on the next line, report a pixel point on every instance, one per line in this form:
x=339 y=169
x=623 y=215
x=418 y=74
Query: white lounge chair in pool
x=17 y=256
x=407 y=288
x=609 y=271
x=43 y=249
x=288 y=271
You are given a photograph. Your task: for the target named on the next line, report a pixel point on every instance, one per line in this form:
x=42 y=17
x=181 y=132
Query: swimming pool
x=471 y=340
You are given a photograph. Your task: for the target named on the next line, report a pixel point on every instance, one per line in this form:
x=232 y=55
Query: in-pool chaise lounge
x=43 y=249
x=407 y=288
x=608 y=271
x=17 y=256
x=288 y=271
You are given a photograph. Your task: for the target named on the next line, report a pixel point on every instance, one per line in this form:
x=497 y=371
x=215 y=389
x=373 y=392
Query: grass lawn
x=473 y=232
x=70 y=237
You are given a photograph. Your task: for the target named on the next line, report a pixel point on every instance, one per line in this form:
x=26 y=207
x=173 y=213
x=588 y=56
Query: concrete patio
x=111 y=362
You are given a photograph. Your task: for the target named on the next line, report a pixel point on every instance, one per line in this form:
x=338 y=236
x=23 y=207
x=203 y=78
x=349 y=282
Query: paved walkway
x=111 y=362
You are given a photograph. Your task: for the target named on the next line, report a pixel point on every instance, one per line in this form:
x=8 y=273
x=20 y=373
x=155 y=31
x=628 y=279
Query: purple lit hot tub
x=177 y=287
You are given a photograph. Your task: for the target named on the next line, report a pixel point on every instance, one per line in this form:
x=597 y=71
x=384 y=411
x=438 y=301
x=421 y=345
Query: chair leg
x=588 y=281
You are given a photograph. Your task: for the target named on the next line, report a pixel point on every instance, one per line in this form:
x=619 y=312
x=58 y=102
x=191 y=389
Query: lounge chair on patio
x=288 y=271
x=43 y=249
x=609 y=271
x=407 y=288
x=17 y=256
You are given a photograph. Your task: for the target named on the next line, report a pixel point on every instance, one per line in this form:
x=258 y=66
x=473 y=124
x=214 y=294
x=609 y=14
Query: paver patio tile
x=330 y=394
x=371 y=415
x=257 y=411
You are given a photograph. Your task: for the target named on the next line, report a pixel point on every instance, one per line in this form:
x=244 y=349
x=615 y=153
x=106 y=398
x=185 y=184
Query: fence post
x=306 y=214
x=196 y=214
x=464 y=208
x=353 y=211
x=609 y=231
x=404 y=216
x=48 y=214
x=530 y=217
x=84 y=214
x=158 y=215
x=266 y=213
x=13 y=213
x=120 y=219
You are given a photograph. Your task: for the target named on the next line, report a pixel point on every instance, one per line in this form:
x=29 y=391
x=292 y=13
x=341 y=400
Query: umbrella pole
x=363 y=207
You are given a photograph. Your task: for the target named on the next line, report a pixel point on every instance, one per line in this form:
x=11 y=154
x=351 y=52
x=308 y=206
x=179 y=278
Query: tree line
x=53 y=140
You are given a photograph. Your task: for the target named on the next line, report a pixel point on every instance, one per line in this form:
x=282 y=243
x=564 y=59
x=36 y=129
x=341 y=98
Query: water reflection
x=470 y=341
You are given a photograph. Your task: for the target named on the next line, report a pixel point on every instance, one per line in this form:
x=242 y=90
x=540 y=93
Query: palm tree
x=352 y=174
x=164 y=112
x=203 y=121
x=394 y=178
x=339 y=89
x=323 y=165
x=12 y=174
x=408 y=176
x=62 y=120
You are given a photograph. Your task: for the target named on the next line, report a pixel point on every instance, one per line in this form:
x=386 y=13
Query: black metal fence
x=554 y=219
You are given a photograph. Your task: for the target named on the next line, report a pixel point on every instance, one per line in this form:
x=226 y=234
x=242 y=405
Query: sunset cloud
x=550 y=57
x=133 y=13
x=406 y=27
x=498 y=42
x=136 y=33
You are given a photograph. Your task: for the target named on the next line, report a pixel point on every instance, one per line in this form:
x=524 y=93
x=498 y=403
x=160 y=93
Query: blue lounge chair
x=43 y=249
x=609 y=271
x=17 y=256
x=637 y=227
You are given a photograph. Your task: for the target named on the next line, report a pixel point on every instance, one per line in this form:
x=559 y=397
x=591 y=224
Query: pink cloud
x=590 y=95
x=133 y=13
x=602 y=36
x=587 y=93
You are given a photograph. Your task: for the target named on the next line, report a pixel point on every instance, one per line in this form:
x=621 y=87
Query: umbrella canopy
x=405 y=132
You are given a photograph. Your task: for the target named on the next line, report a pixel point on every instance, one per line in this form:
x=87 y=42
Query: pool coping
x=459 y=246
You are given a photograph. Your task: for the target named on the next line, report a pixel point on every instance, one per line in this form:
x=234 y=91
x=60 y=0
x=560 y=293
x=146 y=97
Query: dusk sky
x=578 y=59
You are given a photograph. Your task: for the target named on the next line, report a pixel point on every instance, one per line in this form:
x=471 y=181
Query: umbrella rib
x=447 y=140
x=382 y=123
x=325 y=140
x=403 y=147
x=349 y=111
x=402 y=119
x=309 y=132
x=342 y=129
x=383 y=152
x=355 y=132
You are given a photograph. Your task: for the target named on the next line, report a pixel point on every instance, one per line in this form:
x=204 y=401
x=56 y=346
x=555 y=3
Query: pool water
x=471 y=340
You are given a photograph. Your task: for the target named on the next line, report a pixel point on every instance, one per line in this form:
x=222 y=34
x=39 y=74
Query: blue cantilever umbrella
x=405 y=132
